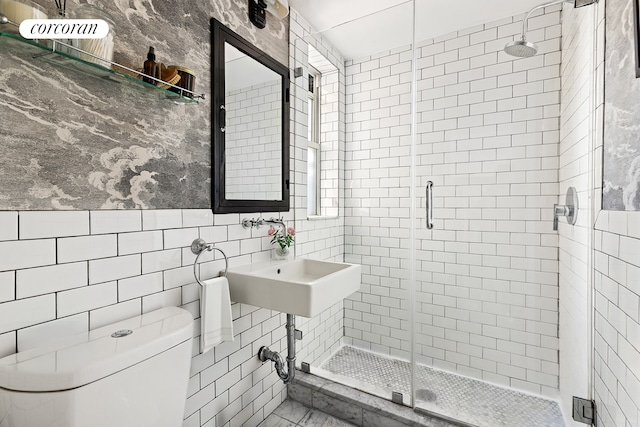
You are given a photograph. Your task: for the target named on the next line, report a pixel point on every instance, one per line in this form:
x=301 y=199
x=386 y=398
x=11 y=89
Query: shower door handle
x=223 y=118
x=429 y=190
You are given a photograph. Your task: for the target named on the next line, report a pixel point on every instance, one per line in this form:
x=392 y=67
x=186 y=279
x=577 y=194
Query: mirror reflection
x=253 y=149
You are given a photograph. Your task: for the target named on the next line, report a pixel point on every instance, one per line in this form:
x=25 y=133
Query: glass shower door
x=486 y=282
x=375 y=355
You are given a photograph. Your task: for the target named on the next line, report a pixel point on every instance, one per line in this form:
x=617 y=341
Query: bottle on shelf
x=150 y=67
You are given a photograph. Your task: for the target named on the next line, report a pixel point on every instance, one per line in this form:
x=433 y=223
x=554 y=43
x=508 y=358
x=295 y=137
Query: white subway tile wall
x=332 y=120
x=7 y=286
x=488 y=135
x=38 y=225
x=8 y=225
x=45 y=280
x=7 y=344
x=27 y=253
x=104 y=222
x=617 y=319
x=94 y=280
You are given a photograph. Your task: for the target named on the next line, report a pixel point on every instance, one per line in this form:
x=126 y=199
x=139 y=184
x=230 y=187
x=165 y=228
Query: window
x=323 y=136
x=313 y=137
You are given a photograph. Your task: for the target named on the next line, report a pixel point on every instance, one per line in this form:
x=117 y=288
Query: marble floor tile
x=310 y=417
x=314 y=418
x=276 y=421
x=335 y=422
x=292 y=411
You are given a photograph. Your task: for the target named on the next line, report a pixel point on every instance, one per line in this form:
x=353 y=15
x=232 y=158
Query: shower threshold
x=460 y=400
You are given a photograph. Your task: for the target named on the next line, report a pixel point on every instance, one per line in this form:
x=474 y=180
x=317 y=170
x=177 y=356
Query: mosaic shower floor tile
x=450 y=396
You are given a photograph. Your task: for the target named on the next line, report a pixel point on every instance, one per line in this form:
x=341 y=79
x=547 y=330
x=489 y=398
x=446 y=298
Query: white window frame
x=314 y=140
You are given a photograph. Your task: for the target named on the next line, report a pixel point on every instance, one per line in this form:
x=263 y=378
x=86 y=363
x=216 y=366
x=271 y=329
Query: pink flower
x=271 y=231
x=291 y=231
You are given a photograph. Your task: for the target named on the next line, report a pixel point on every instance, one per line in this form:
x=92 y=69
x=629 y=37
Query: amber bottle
x=150 y=67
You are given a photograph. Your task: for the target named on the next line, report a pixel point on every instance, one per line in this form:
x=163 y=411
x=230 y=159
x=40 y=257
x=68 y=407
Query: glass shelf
x=29 y=50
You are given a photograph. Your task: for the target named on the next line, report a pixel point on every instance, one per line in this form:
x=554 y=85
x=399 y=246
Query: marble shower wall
x=71 y=141
x=622 y=112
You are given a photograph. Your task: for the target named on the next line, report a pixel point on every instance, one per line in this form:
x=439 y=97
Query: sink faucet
x=277 y=221
x=257 y=223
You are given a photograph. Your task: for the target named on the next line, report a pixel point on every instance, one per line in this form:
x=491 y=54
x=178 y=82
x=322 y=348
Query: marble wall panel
x=71 y=141
x=622 y=111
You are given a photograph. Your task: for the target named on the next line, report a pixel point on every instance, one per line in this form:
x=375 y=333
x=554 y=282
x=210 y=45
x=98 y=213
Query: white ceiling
x=363 y=27
x=242 y=71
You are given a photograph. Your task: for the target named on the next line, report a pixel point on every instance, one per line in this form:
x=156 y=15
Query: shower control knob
x=568 y=210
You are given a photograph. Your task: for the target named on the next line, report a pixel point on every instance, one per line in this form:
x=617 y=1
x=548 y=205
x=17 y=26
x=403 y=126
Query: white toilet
x=133 y=373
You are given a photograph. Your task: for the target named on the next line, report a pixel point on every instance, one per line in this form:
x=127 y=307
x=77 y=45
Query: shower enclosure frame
x=418 y=200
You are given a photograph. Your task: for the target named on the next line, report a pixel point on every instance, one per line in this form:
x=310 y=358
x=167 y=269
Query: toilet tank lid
x=80 y=359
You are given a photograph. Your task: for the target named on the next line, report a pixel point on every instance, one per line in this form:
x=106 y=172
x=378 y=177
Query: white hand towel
x=215 y=313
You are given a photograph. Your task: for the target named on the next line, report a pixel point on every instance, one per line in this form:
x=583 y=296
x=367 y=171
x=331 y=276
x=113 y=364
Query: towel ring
x=198 y=247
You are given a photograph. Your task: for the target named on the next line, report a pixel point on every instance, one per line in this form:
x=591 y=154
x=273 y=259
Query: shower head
x=524 y=49
x=521 y=49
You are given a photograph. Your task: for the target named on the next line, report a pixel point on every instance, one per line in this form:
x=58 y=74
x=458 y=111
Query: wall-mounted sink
x=303 y=286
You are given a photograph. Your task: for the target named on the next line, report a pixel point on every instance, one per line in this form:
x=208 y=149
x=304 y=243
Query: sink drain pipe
x=288 y=372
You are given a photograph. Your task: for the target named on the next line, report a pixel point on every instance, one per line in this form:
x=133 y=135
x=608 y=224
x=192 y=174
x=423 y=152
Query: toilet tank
x=133 y=373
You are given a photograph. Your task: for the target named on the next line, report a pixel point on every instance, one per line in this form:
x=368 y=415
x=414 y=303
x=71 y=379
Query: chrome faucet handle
x=568 y=210
x=252 y=223
x=560 y=210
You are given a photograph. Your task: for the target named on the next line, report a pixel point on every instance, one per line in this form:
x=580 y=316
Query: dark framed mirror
x=250 y=126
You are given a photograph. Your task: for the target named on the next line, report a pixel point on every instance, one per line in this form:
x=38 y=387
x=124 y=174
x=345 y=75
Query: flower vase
x=280 y=253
